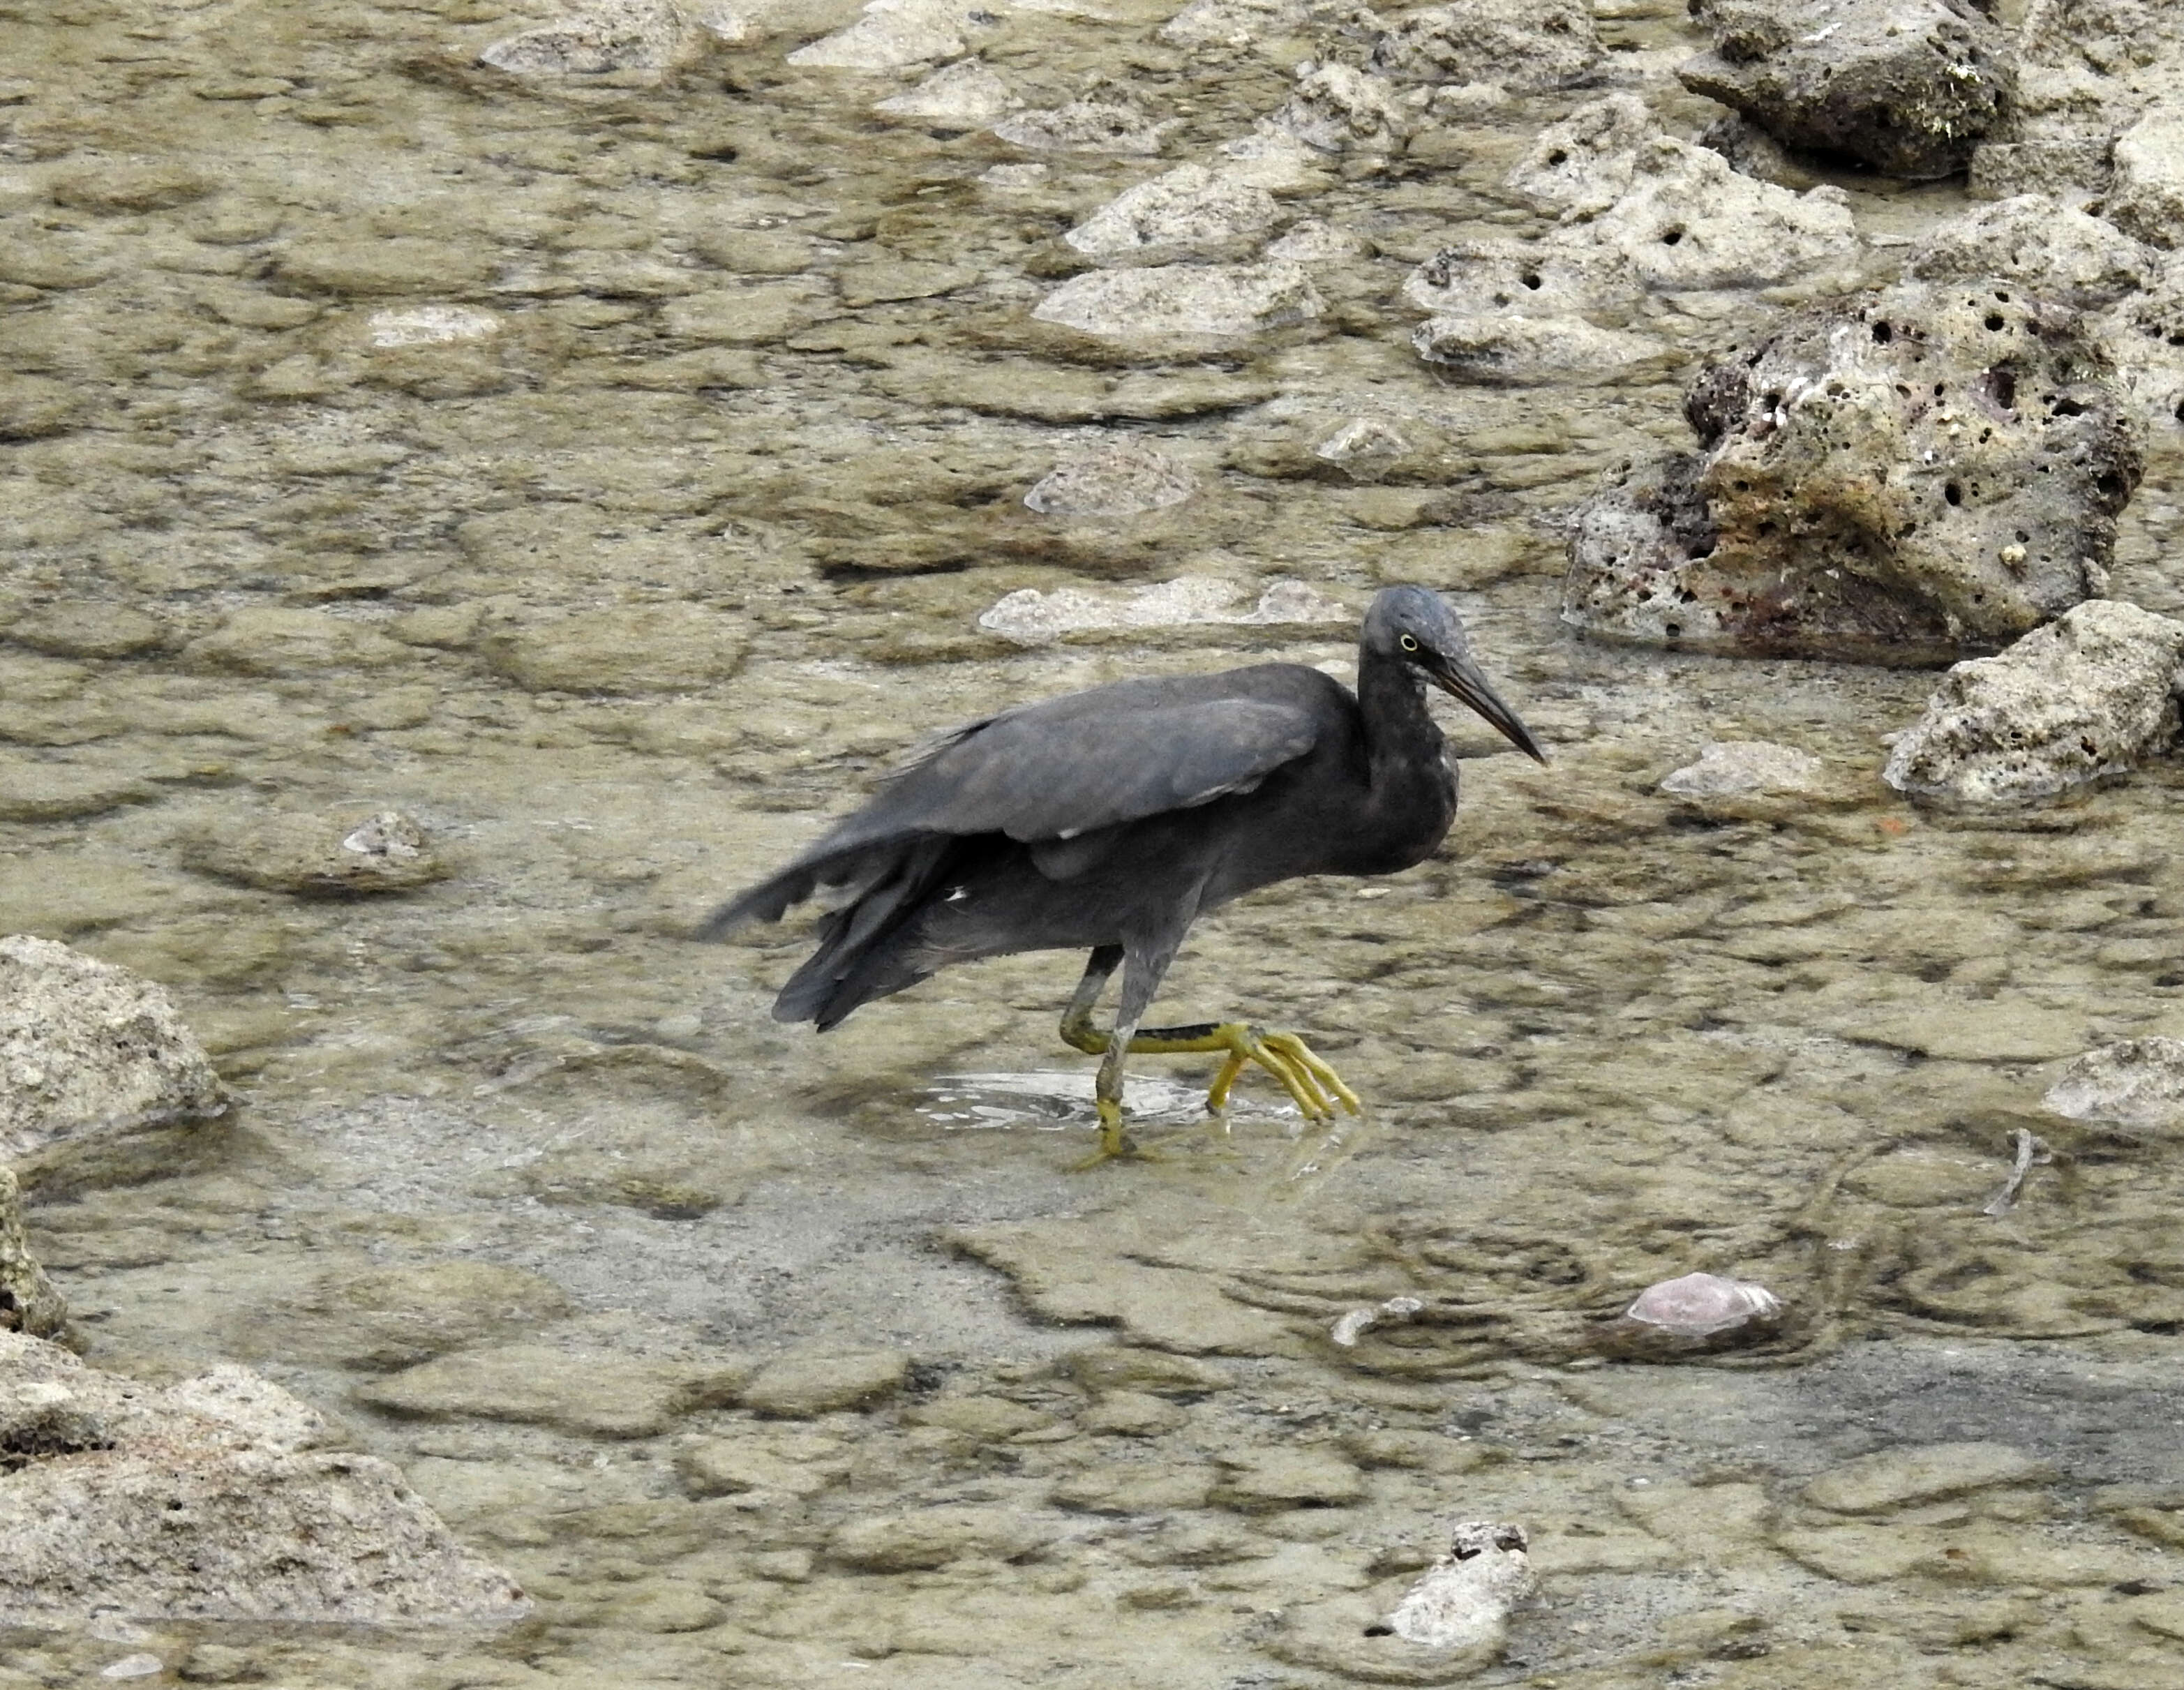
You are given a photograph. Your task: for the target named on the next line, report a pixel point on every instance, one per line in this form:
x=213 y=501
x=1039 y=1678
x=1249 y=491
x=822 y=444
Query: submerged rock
x=1922 y=1473
x=2054 y=250
x=28 y=1302
x=88 y=1050
x=204 y=1501
x=1895 y=477
x=1032 y=617
x=1114 y=478
x=2088 y=695
x=890 y=34
x=1525 y=45
x=1164 y=303
x=1235 y=23
x=1189 y=212
x=1729 y=767
x=1520 y=350
x=1908 y=86
x=321 y=856
x=599 y=39
x=2138 y=1083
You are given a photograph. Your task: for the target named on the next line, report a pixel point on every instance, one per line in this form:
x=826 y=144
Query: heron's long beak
x=1459 y=678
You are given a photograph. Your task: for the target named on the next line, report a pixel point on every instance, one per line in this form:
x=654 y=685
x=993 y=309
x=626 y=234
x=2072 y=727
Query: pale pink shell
x=1699 y=1305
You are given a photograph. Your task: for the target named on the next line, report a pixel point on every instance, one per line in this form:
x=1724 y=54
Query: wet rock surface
x=2088 y=696
x=1908 y=86
x=28 y=1302
x=1911 y=472
x=612 y=470
x=343 y=855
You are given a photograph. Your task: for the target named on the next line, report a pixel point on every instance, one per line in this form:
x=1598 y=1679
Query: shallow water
x=623 y=606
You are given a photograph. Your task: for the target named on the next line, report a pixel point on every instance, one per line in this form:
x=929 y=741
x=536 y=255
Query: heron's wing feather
x=1041 y=773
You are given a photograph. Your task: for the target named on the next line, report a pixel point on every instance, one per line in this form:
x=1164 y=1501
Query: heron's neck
x=1401 y=740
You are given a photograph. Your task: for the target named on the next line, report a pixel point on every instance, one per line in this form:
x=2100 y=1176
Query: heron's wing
x=1043 y=773
x=1051 y=771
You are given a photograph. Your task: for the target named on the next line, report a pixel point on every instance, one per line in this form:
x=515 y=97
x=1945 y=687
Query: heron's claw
x=1311 y=1083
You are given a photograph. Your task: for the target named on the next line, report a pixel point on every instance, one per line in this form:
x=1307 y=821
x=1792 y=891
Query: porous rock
x=1189 y=212
x=1452 y=1624
x=2056 y=251
x=803 y=1384
x=1677 y=215
x=1899 y=476
x=1524 y=45
x=1922 y=1473
x=1167 y=303
x=1235 y=23
x=204 y=1501
x=2138 y=1083
x=1908 y=86
x=89 y=1049
x=28 y=1302
x=345 y=854
x=2086 y=696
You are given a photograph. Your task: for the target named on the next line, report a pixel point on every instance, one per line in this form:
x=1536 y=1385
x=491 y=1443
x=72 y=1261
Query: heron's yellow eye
x=1409 y=644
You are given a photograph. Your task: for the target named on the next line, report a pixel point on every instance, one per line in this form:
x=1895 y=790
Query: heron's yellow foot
x=1311 y=1083
x=1115 y=1139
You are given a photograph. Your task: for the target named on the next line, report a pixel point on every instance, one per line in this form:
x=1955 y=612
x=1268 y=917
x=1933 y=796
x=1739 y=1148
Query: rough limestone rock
x=342 y=855
x=2143 y=335
x=2054 y=250
x=1727 y=769
x=2090 y=694
x=1117 y=477
x=966 y=93
x=1908 y=86
x=1518 y=349
x=204 y=1501
x=1895 y=477
x=2138 y=1084
x=89 y=1049
x=2147 y=196
x=1524 y=45
x=2088 y=70
x=1678 y=215
x=1531 y=277
x=1448 y=1627
x=1191 y=212
x=1338 y=108
x=1236 y=23
x=1163 y=304
x=890 y=34
x=1107 y=119
x=28 y=1302
x=601 y=38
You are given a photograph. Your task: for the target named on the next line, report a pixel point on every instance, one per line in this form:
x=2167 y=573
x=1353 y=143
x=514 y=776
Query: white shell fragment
x=1354 y=1325
x=1701 y=1305
x=1463 y=1601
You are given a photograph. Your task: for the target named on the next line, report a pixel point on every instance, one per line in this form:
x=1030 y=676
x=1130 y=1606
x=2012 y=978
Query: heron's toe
x=1322 y=1071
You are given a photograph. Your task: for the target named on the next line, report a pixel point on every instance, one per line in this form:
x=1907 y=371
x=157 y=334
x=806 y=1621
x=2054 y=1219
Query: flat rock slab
x=598 y=1393
x=799 y=1387
x=1895 y=1478
x=342 y=855
x=933 y=1536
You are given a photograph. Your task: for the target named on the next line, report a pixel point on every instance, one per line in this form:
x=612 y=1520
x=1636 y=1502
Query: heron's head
x=1414 y=627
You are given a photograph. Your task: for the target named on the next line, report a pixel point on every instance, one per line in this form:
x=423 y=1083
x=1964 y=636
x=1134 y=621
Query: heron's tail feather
x=859 y=956
x=858 y=868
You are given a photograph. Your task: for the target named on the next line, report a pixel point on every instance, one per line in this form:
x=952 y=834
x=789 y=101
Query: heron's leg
x=1077 y=1028
x=1143 y=966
